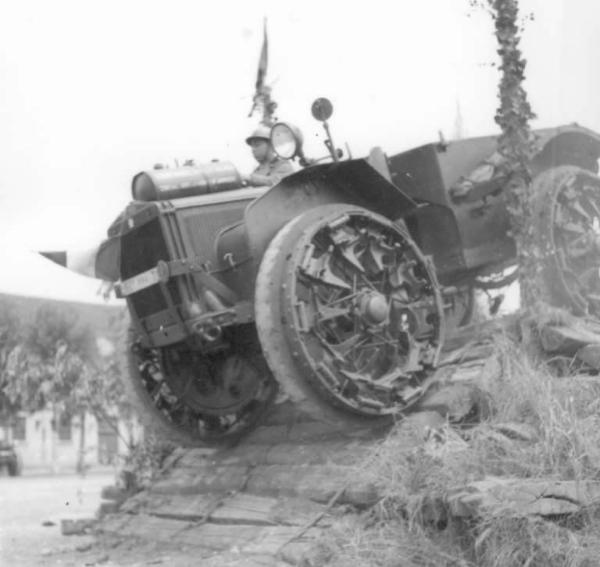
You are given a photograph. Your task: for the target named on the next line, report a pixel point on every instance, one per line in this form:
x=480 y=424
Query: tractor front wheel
x=349 y=315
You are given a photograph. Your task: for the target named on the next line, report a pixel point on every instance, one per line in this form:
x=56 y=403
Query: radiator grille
x=141 y=249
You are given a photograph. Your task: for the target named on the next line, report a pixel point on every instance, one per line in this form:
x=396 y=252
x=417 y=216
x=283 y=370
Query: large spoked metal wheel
x=199 y=400
x=567 y=217
x=349 y=314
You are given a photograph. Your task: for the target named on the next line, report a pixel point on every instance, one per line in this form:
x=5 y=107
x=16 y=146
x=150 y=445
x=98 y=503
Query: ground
x=299 y=492
x=31 y=510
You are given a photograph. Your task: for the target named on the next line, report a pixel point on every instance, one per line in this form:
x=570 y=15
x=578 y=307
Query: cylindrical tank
x=186 y=181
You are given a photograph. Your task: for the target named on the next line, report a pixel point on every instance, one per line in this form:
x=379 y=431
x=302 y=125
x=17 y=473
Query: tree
x=54 y=363
x=43 y=368
x=10 y=329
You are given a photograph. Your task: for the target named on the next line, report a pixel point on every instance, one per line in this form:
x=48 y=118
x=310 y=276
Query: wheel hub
x=373 y=308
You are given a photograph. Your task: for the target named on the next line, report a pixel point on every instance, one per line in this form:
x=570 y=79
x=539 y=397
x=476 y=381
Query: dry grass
x=392 y=542
x=535 y=542
x=562 y=411
x=563 y=418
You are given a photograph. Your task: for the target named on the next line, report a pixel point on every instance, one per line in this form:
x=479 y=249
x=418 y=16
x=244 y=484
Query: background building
x=48 y=439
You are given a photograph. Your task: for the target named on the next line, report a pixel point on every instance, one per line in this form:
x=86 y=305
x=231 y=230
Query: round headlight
x=286 y=140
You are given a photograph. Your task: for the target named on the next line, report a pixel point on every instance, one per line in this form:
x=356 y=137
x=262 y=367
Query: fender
x=567 y=145
x=354 y=182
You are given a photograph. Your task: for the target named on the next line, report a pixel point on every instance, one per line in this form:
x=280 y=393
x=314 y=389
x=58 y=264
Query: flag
x=100 y=262
x=263 y=61
x=262 y=100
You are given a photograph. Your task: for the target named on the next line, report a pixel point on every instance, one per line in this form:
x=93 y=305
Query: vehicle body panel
x=188 y=263
x=471 y=233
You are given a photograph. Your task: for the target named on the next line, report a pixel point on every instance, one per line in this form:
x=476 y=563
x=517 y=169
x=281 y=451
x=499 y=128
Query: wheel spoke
x=589 y=196
x=320 y=271
x=576 y=207
x=348 y=253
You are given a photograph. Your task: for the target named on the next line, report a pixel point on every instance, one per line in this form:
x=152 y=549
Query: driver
x=271 y=168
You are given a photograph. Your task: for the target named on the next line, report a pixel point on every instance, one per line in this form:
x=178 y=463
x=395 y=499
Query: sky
x=91 y=92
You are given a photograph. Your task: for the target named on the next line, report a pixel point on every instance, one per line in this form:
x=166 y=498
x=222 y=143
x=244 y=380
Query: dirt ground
x=31 y=510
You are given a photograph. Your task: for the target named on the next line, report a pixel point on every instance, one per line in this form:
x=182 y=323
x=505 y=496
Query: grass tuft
x=560 y=423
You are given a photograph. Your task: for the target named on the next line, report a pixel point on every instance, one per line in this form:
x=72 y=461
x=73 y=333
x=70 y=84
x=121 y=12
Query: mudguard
x=354 y=182
x=567 y=145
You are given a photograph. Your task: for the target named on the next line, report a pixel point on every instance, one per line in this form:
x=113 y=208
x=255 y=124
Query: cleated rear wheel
x=567 y=225
x=349 y=315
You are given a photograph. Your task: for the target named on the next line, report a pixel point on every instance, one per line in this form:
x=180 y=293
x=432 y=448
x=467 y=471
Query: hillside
x=497 y=467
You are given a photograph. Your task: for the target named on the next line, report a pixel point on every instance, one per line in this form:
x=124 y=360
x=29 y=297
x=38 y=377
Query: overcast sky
x=93 y=92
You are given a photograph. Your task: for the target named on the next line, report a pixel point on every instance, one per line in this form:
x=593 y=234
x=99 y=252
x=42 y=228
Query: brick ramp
x=247 y=505
x=268 y=501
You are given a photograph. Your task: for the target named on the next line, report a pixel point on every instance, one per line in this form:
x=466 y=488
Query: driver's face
x=260 y=149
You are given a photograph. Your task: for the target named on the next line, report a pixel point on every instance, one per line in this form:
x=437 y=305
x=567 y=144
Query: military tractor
x=333 y=289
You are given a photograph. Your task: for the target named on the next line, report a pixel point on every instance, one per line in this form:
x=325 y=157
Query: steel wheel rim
x=363 y=312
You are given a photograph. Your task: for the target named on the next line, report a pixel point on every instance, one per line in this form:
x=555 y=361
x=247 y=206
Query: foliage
x=517 y=143
x=45 y=365
x=144 y=462
x=53 y=361
x=9 y=338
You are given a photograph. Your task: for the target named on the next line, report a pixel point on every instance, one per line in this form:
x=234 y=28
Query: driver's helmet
x=261 y=132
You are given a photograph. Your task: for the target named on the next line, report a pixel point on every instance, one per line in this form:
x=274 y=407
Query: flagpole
x=262 y=96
